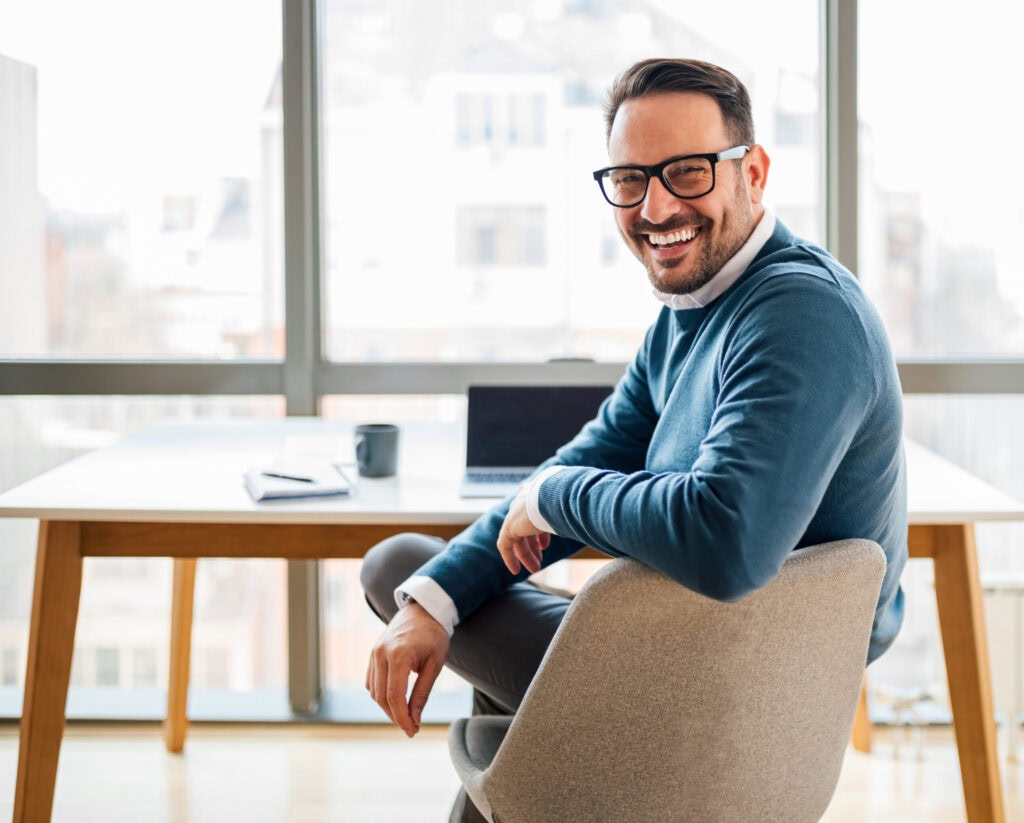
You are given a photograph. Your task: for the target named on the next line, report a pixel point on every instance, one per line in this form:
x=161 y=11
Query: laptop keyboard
x=496 y=477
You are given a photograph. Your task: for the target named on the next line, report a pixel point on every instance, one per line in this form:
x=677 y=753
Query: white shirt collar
x=728 y=274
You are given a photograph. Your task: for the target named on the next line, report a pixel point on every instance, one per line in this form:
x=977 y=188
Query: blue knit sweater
x=769 y=420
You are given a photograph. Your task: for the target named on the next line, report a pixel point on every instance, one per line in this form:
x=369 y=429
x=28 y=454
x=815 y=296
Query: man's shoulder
x=800 y=257
x=800 y=285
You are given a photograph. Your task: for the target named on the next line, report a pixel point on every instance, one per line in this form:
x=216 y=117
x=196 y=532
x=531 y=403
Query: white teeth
x=672 y=237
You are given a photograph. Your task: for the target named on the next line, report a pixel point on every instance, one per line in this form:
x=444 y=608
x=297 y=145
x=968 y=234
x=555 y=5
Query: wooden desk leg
x=51 y=643
x=962 y=621
x=861 y=736
x=182 y=593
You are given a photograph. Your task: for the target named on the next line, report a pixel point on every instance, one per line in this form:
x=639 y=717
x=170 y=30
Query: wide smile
x=672 y=241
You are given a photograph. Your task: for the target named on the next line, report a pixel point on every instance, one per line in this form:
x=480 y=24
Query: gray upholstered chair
x=657 y=704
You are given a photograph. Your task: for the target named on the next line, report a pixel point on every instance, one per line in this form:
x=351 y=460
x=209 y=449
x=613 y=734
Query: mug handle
x=361 y=449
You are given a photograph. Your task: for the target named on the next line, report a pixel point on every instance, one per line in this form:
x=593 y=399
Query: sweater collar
x=728 y=274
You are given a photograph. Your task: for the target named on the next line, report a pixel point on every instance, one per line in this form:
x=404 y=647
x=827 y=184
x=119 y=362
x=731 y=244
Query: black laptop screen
x=525 y=425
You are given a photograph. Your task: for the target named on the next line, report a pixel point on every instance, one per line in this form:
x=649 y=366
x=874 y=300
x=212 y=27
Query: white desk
x=174 y=490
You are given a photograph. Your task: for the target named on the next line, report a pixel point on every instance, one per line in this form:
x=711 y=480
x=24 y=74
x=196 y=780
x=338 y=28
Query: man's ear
x=755 y=167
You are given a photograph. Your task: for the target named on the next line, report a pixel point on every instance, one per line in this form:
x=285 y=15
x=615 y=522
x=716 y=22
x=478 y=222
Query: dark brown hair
x=662 y=75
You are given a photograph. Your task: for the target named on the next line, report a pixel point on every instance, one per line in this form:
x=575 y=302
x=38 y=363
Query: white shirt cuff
x=428 y=593
x=532 y=494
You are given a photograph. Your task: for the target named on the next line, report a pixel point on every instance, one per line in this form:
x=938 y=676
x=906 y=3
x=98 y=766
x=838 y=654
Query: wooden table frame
x=58 y=580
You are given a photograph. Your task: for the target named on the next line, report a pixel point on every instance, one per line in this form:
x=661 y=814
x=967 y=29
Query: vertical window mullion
x=303 y=255
x=841 y=157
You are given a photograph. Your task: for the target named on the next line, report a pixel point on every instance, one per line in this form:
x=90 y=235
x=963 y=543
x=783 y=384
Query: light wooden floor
x=356 y=774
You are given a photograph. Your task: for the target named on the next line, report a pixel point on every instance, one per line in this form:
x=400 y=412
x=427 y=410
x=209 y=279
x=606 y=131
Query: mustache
x=642 y=226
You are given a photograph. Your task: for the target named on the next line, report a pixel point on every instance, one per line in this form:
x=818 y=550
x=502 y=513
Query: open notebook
x=292 y=480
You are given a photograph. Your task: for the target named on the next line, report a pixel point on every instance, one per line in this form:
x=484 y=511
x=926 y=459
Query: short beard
x=711 y=259
x=700 y=277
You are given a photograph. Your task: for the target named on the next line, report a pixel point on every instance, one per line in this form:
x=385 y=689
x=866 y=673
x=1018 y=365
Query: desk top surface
x=191 y=471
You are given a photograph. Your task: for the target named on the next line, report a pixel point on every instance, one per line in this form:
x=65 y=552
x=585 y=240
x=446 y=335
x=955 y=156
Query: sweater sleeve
x=471 y=570
x=794 y=377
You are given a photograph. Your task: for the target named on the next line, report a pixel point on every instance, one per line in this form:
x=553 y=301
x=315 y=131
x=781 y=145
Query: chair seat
x=477 y=739
x=472 y=743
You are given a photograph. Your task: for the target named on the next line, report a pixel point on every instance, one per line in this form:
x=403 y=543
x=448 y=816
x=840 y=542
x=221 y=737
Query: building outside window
x=498 y=111
x=9 y=665
x=108 y=666
x=513 y=119
x=144 y=668
x=501 y=236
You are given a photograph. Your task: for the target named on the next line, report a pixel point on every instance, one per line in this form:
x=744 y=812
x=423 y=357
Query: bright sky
x=939 y=92
x=159 y=95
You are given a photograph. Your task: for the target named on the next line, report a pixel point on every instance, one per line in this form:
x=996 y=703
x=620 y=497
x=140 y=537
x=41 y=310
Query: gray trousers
x=498 y=648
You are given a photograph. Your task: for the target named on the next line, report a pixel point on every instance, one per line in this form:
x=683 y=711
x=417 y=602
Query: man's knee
x=391 y=562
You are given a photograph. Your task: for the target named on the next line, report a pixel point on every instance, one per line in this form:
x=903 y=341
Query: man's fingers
x=537 y=550
x=396 y=689
x=421 y=689
x=523 y=551
x=379 y=682
x=528 y=552
x=507 y=550
x=385 y=681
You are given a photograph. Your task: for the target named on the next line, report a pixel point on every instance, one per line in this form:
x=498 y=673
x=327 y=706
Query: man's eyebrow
x=678 y=156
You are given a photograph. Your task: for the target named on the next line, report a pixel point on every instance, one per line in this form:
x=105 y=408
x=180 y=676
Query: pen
x=284 y=476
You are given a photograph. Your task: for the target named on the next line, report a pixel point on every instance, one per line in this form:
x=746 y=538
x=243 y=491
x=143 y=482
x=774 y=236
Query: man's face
x=648 y=130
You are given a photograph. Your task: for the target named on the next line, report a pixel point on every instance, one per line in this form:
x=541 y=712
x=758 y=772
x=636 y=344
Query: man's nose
x=660 y=203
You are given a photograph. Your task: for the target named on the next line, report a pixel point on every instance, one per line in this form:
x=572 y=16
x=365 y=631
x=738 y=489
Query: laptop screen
x=525 y=425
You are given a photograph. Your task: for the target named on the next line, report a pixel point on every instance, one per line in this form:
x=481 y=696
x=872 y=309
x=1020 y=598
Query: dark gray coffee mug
x=377 y=449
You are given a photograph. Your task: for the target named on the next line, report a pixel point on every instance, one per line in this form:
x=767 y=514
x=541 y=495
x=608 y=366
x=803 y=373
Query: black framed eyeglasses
x=688 y=177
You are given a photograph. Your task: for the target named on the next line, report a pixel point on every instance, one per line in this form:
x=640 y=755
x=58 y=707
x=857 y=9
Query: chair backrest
x=656 y=703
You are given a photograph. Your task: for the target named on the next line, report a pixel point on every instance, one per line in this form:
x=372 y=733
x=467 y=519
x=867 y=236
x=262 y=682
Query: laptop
x=510 y=430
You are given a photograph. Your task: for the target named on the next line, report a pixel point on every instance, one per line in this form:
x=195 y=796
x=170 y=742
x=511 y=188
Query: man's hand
x=412 y=642
x=520 y=542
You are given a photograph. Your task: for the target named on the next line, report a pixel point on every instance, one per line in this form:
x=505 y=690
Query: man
x=761 y=414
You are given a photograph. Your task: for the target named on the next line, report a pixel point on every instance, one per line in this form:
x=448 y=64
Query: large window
x=462 y=222
x=940 y=214
x=140 y=179
x=160 y=164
